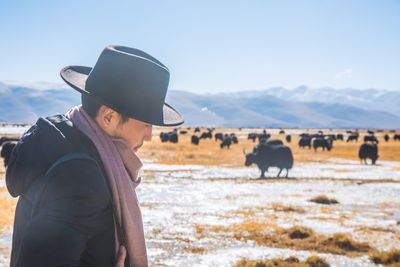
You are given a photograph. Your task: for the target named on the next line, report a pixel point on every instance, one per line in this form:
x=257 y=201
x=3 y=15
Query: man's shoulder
x=77 y=175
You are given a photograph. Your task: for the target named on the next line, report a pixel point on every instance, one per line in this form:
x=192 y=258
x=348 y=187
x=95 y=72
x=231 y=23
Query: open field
x=202 y=207
x=209 y=153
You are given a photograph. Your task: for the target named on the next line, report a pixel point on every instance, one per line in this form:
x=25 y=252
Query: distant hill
x=20 y=104
x=370 y=99
x=269 y=111
x=275 y=107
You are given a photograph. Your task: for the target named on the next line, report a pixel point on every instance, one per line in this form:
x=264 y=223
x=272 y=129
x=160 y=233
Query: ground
x=202 y=207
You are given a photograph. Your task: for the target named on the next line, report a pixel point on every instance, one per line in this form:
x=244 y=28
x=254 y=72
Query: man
x=76 y=174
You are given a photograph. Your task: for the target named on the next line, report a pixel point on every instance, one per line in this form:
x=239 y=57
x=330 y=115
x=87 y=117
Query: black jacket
x=73 y=223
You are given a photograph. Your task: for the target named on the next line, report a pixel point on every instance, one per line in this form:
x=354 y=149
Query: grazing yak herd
x=267 y=152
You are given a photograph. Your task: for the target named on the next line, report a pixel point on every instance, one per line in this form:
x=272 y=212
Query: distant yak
x=195 y=140
x=369 y=151
x=6 y=149
x=252 y=136
x=305 y=141
x=324 y=143
x=206 y=135
x=386 y=137
x=226 y=142
x=352 y=137
x=219 y=136
x=170 y=136
x=371 y=138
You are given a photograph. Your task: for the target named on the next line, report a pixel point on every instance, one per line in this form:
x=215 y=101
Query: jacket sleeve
x=73 y=208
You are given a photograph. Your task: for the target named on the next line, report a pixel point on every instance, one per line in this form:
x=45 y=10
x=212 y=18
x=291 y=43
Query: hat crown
x=130 y=81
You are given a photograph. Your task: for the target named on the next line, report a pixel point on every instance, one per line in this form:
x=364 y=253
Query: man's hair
x=92 y=105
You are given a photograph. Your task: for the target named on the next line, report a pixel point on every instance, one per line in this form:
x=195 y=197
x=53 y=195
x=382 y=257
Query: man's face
x=133 y=132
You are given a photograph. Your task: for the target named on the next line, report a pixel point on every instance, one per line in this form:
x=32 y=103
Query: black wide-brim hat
x=129 y=81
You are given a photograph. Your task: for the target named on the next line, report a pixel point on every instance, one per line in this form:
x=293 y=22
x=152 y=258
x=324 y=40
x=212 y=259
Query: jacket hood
x=39 y=147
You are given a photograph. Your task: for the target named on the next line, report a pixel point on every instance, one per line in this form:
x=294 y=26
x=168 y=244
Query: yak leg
x=263 y=171
x=279 y=173
x=287 y=172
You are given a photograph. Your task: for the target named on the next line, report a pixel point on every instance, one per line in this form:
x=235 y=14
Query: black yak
x=170 y=136
x=235 y=140
x=271 y=156
x=321 y=142
x=226 y=142
x=219 y=136
x=386 y=137
x=164 y=137
x=195 y=140
x=368 y=151
x=252 y=136
x=371 y=138
x=305 y=141
x=339 y=137
x=6 y=150
x=352 y=137
x=206 y=135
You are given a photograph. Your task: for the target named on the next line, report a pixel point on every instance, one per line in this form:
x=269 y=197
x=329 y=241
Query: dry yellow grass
x=7 y=209
x=196 y=250
x=208 y=151
x=248 y=212
x=298 y=238
x=387 y=258
x=7 y=205
x=312 y=261
x=2 y=169
x=322 y=199
x=287 y=208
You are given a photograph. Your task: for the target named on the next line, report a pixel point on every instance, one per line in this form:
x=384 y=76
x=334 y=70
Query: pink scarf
x=122 y=166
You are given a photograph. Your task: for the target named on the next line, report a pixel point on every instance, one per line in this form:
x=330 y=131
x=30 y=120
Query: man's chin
x=136 y=148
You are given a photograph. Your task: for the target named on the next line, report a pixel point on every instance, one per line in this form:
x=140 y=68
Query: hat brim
x=75 y=76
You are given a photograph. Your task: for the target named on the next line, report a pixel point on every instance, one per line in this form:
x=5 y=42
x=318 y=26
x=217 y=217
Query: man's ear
x=108 y=115
x=107 y=118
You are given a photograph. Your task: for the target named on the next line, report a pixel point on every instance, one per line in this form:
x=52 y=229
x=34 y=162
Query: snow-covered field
x=13 y=130
x=177 y=198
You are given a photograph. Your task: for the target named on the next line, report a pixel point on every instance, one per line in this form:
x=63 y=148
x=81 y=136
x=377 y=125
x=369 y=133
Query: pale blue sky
x=211 y=46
